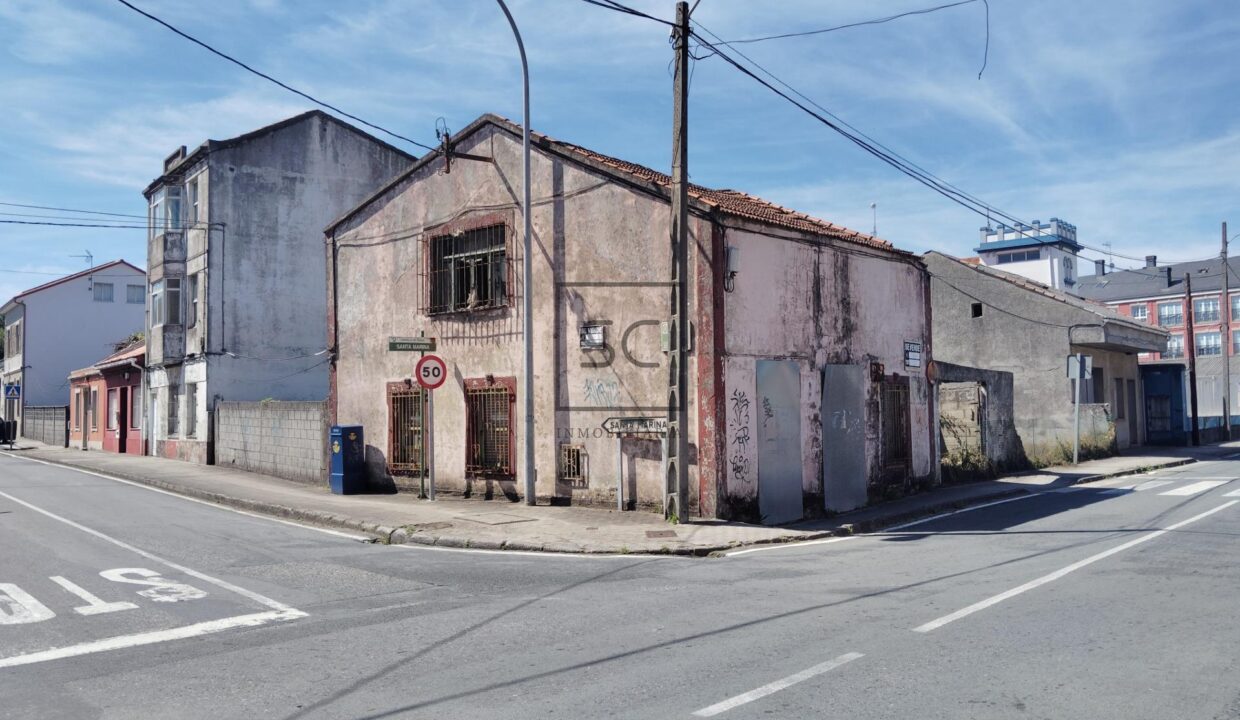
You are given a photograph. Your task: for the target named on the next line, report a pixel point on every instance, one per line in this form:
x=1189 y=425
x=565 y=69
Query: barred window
x=468 y=270
x=572 y=467
x=406 y=413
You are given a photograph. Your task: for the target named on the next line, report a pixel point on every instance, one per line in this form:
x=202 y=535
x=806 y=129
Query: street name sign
x=411 y=344
x=635 y=425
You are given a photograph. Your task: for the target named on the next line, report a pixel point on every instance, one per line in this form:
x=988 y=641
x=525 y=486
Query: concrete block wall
x=284 y=439
x=49 y=424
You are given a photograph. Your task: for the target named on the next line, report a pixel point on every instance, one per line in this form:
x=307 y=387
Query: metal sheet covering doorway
x=843 y=437
x=779 y=441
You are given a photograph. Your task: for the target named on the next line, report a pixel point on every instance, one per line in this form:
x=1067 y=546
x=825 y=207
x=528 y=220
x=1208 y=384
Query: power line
x=267 y=77
x=877 y=21
x=66 y=224
x=611 y=5
x=72 y=210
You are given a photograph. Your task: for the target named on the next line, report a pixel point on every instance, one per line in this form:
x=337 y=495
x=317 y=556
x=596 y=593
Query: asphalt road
x=1105 y=601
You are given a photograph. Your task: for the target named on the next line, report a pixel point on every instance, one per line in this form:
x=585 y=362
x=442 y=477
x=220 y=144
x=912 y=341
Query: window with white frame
x=1175 y=347
x=1170 y=314
x=1021 y=256
x=1235 y=307
x=114 y=408
x=1209 y=343
x=1235 y=342
x=165 y=211
x=1205 y=310
x=103 y=292
x=192 y=189
x=1139 y=311
x=166 y=302
x=135 y=294
x=191 y=300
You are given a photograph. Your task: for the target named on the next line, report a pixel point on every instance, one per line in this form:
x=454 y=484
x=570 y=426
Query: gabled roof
x=1020 y=281
x=1149 y=282
x=133 y=351
x=213 y=145
x=726 y=202
x=69 y=278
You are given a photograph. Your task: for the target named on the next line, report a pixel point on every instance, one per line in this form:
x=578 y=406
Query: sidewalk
x=500 y=524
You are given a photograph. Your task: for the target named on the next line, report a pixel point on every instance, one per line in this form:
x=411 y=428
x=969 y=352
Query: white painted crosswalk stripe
x=1197 y=487
x=1233 y=493
x=1150 y=485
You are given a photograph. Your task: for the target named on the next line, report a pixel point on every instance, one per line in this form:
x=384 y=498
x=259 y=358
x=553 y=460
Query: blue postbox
x=348 y=446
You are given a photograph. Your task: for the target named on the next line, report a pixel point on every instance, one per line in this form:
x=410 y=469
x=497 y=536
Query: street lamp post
x=526 y=285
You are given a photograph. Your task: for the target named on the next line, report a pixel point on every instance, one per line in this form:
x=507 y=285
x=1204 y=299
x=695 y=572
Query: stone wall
x=284 y=439
x=49 y=424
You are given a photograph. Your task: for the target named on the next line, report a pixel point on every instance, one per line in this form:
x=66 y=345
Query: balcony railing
x=1171 y=320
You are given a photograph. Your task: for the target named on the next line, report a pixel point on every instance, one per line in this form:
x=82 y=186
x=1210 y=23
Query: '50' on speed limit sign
x=431 y=371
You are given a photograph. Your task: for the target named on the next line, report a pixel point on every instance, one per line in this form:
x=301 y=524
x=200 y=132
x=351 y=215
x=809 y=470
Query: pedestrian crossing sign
x=12 y=392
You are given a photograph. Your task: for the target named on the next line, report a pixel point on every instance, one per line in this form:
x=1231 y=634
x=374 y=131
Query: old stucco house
x=810 y=340
x=237 y=293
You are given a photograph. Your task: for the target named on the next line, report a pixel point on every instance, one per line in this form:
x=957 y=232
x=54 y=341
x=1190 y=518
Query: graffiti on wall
x=600 y=392
x=738 y=452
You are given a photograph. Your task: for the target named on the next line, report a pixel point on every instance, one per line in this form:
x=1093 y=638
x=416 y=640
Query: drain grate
x=657 y=534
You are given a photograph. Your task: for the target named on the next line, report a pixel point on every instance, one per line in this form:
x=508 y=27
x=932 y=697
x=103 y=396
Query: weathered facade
x=68 y=323
x=993 y=320
x=238 y=299
x=789 y=312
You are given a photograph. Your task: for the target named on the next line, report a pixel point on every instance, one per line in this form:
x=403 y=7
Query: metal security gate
x=895 y=423
x=406 y=413
x=843 y=437
x=489 y=430
x=780 y=494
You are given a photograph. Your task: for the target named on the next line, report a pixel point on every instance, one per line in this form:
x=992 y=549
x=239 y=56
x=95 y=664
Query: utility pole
x=676 y=489
x=1190 y=343
x=1227 y=344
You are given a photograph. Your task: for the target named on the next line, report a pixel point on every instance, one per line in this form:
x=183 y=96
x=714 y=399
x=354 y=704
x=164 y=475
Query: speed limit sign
x=431 y=371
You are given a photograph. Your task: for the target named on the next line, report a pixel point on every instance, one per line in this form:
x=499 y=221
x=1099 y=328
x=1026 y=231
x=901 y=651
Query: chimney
x=1167 y=270
x=1151 y=261
x=1100 y=267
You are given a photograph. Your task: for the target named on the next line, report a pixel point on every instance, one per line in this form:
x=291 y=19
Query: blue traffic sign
x=13 y=392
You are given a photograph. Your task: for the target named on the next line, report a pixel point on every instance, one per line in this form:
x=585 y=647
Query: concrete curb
x=407 y=535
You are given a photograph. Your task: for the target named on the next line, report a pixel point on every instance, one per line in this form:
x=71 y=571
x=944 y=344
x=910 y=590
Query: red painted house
x=105 y=403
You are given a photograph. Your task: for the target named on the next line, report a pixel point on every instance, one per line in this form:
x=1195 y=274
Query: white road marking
x=1151 y=484
x=247 y=513
x=280 y=611
x=18 y=607
x=1197 y=487
x=159 y=589
x=94 y=605
x=1051 y=577
x=776 y=686
x=150 y=638
x=1233 y=493
x=783 y=546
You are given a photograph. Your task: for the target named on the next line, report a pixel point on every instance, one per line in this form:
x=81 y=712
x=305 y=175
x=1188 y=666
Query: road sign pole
x=1076 y=422
x=619 y=472
x=430 y=440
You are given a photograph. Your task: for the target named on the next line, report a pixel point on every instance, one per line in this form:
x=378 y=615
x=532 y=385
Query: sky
x=1116 y=116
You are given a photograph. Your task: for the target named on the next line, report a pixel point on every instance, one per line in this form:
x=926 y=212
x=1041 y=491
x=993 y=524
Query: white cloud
x=48 y=32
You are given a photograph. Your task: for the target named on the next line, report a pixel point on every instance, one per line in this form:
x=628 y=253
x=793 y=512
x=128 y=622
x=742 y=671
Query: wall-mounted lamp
x=732 y=266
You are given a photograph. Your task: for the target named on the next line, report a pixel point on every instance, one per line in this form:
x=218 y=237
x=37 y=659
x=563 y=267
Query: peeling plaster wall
x=816 y=304
x=601 y=254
